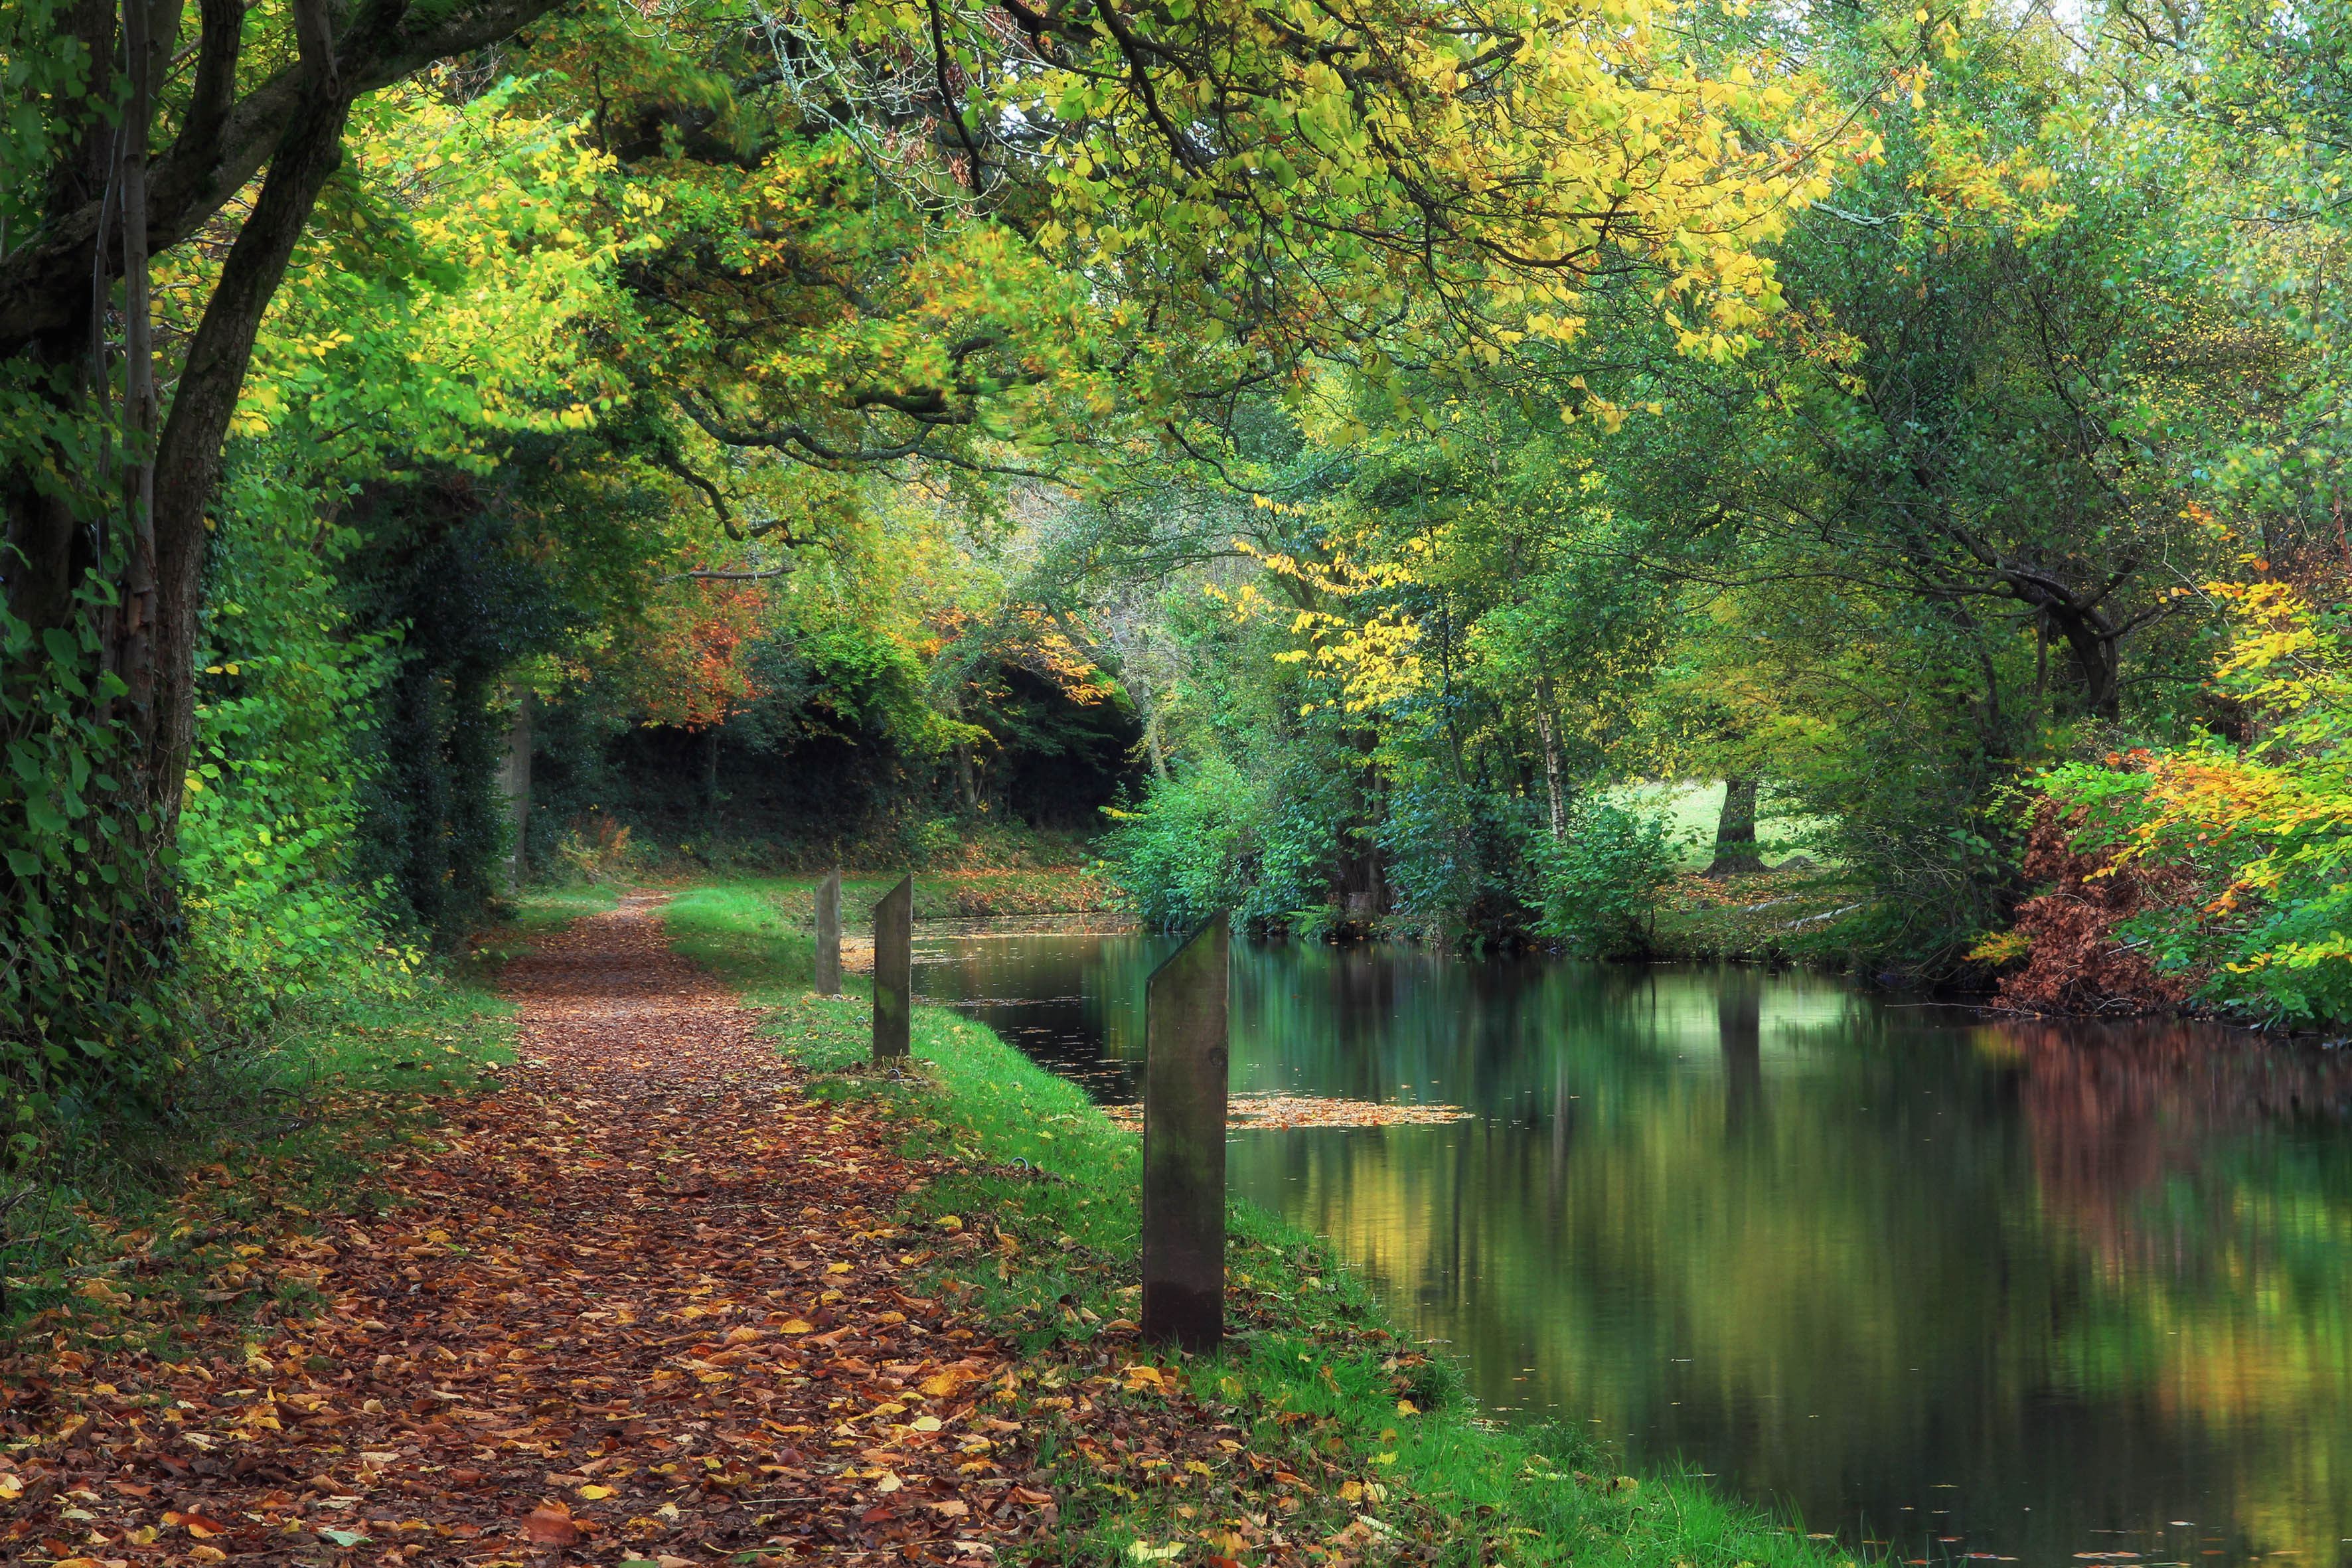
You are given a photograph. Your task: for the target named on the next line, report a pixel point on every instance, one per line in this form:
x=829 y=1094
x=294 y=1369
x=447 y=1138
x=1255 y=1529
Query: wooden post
x=894 y=938
x=1184 y=1057
x=828 y=935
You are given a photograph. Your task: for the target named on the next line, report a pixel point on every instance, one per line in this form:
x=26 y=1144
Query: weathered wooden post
x=1184 y=1058
x=894 y=965
x=828 y=935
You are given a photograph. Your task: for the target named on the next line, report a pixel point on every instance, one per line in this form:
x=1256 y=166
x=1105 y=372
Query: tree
x=101 y=216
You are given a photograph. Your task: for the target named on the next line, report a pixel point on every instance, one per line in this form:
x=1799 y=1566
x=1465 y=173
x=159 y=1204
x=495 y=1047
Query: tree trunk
x=1152 y=747
x=1735 y=830
x=710 y=769
x=1554 y=768
x=2095 y=656
x=514 y=780
x=187 y=461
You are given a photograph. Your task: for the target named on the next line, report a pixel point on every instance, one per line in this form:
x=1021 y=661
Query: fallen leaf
x=595 y=1494
x=550 y=1524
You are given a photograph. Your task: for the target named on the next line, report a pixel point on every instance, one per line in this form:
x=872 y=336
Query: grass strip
x=1360 y=1443
x=126 y=1226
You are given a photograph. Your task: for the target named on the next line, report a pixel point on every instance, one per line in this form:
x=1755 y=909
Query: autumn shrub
x=598 y=850
x=2240 y=852
x=2076 y=958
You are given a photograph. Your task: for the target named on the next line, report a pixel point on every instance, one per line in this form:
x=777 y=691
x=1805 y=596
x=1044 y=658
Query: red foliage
x=2074 y=963
x=688 y=670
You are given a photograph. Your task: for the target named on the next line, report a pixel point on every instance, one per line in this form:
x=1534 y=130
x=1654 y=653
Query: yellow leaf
x=797 y=1327
x=1407 y=1408
x=595 y=1494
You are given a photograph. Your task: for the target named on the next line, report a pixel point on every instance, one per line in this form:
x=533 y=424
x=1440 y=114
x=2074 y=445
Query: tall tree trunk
x=1554 y=766
x=132 y=651
x=710 y=770
x=1735 y=830
x=514 y=781
x=187 y=460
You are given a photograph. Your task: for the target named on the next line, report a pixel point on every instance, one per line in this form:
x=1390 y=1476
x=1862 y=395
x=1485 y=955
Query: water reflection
x=2014 y=1289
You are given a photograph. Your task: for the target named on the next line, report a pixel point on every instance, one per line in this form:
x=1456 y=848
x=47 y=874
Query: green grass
x=125 y=1219
x=1805 y=916
x=1318 y=1375
x=1694 y=808
x=939 y=895
x=545 y=909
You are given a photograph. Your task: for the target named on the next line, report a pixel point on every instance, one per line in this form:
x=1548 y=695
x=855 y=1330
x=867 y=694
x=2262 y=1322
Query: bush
x=2246 y=847
x=281 y=762
x=1177 y=854
x=1601 y=880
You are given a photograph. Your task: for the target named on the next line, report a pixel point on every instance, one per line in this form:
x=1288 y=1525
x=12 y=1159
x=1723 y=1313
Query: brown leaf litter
x=645 y=1303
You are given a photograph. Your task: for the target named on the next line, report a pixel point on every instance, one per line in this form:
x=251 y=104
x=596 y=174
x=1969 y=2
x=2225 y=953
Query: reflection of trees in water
x=2116 y=1111
x=2079 y=1268
x=1740 y=1032
x=2205 y=1175
x=1843 y=1219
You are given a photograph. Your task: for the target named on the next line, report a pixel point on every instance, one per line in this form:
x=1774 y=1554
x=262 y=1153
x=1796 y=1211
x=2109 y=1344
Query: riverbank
x=1792 y=914
x=1318 y=1436
x=991 y=894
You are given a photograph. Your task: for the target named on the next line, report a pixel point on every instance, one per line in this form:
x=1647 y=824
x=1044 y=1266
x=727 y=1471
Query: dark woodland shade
x=827 y=979
x=1184 y=1144
x=894 y=939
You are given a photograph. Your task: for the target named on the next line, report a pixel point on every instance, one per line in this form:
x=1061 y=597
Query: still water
x=2019 y=1290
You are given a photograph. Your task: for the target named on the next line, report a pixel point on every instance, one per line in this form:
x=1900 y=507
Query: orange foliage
x=2076 y=963
x=689 y=672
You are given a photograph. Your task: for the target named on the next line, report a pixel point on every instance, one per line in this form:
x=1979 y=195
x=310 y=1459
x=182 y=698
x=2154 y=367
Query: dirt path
x=642 y=1307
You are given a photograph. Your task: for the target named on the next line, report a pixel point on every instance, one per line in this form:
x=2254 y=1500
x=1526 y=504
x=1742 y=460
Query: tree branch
x=42 y=285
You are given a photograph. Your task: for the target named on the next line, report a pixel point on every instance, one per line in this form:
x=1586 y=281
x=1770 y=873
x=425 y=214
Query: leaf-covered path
x=641 y=1302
